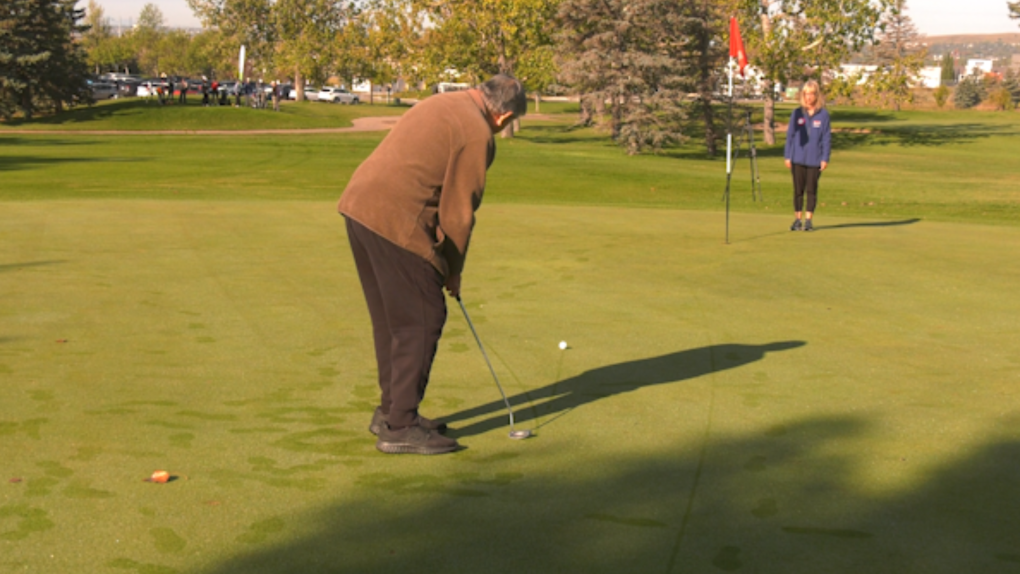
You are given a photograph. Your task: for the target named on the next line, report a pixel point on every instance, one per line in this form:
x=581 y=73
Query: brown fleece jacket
x=420 y=188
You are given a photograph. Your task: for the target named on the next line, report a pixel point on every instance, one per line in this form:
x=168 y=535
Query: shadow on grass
x=18 y=141
x=869 y=224
x=4 y=267
x=82 y=114
x=857 y=116
x=11 y=163
x=563 y=134
x=563 y=396
x=920 y=135
x=800 y=496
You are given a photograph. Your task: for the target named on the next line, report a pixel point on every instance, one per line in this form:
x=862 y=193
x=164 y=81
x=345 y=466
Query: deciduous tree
x=97 y=38
x=247 y=23
x=899 y=57
x=793 y=40
x=146 y=39
x=480 y=38
x=306 y=32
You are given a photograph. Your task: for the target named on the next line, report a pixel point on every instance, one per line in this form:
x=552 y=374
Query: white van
x=443 y=87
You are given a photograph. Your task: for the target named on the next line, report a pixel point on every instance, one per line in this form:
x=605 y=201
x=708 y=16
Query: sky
x=932 y=17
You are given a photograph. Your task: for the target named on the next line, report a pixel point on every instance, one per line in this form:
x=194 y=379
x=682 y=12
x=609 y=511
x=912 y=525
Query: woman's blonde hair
x=819 y=101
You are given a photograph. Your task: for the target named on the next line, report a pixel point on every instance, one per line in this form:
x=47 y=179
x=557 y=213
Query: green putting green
x=841 y=401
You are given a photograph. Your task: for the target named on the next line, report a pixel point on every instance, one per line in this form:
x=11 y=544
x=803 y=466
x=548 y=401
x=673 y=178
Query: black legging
x=805 y=181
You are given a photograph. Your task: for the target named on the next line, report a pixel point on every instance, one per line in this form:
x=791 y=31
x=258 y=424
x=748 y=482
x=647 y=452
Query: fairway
x=843 y=401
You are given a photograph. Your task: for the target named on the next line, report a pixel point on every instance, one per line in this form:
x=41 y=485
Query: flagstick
x=729 y=146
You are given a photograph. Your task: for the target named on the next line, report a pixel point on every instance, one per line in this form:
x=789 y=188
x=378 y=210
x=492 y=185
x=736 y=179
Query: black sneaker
x=413 y=440
x=796 y=225
x=808 y=226
x=379 y=421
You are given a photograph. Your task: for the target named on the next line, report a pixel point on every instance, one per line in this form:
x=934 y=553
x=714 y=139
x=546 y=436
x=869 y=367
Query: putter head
x=520 y=434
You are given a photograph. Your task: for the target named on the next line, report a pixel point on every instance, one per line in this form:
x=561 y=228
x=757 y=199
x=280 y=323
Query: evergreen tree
x=41 y=65
x=968 y=93
x=899 y=57
x=636 y=56
x=147 y=40
x=1011 y=81
x=948 y=66
x=708 y=52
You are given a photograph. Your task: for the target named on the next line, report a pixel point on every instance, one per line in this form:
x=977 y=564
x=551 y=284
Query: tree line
x=651 y=71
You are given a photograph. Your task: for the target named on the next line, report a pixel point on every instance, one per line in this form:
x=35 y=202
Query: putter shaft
x=487 y=362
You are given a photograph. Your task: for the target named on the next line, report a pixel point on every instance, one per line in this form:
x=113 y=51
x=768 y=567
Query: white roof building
x=982 y=67
x=860 y=70
x=929 y=77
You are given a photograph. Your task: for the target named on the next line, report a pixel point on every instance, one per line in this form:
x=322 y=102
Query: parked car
x=337 y=96
x=148 y=87
x=103 y=90
x=227 y=87
x=128 y=88
x=444 y=87
x=311 y=93
x=284 y=90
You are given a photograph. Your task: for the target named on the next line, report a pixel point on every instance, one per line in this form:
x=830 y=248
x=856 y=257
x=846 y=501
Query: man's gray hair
x=503 y=93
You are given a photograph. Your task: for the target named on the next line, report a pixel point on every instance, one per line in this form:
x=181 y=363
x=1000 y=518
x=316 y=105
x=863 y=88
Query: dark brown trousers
x=408 y=309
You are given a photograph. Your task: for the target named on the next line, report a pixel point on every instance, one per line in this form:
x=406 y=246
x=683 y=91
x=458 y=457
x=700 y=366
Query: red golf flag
x=737 y=46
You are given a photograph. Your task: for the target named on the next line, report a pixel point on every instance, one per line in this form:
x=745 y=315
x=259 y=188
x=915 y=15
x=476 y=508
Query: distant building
x=861 y=71
x=977 y=67
x=929 y=77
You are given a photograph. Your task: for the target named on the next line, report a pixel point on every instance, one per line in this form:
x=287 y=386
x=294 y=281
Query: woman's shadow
x=562 y=396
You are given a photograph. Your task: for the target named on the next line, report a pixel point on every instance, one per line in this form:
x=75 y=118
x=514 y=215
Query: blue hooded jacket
x=809 y=138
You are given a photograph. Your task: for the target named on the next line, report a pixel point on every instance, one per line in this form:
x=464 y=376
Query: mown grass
x=955 y=166
x=843 y=401
x=840 y=402
x=141 y=114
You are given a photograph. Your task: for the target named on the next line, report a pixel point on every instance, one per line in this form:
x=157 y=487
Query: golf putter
x=514 y=434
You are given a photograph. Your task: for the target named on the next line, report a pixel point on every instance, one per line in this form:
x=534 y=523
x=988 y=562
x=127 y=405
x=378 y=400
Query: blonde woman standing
x=808 y=143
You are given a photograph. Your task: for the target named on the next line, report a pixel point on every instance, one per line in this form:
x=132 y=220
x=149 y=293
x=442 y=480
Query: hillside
x=964 y=39
x=1000 y=47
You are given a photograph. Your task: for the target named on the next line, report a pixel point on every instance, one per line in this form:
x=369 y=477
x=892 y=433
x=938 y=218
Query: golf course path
x=369 y=124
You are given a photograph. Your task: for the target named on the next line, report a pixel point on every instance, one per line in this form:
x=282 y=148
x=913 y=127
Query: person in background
x=808 y=144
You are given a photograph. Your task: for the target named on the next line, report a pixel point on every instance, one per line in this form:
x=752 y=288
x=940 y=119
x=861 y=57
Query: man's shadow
x=562 y=396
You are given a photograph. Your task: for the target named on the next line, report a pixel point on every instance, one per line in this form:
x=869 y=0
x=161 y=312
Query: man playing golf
x=409 y=210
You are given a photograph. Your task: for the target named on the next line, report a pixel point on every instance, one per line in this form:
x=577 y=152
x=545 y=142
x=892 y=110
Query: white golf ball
x=563 y=345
